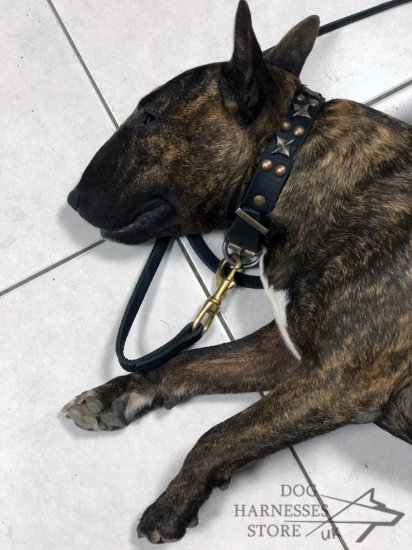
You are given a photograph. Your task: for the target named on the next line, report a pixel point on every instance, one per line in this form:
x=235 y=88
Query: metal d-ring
x=247 y=260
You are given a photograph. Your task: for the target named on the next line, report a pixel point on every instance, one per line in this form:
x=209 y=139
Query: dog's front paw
x=110 y=406
x=163 y=523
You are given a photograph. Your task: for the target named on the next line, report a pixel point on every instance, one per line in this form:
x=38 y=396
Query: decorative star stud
x=282 y=146
x=301 y=111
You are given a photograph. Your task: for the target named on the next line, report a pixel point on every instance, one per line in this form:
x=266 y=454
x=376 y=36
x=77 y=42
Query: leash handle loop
x=186 y=337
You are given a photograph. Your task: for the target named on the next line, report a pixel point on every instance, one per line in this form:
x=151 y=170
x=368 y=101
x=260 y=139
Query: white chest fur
x=279 y=300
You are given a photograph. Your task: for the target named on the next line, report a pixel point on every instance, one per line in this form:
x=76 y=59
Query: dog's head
x=180 y=162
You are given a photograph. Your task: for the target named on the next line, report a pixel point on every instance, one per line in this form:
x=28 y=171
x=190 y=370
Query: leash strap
x=339 y=23
x=184 y=339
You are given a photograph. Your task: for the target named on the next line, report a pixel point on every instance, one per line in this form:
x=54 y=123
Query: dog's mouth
x=149 y=223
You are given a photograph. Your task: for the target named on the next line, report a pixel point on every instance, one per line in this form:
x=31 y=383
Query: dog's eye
x=147 y=118
x=143 y=118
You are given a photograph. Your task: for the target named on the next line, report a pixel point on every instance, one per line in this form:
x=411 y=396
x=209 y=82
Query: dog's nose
x=74 y=198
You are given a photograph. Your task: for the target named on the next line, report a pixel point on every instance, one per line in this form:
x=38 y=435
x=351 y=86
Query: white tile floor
x=67 y=489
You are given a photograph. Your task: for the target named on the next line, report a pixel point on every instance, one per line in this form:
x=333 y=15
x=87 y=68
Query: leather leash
x=242 y=245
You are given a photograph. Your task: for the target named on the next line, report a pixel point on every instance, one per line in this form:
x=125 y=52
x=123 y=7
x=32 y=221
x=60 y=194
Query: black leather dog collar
x=245 y=234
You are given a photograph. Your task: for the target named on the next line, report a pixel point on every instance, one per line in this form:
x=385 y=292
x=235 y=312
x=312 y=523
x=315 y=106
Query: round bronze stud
x=286 y=125
x=280 y=170
x=259 y=200
x=298 y=131
x=300 y=97
x=313 y=102
x=266 y=165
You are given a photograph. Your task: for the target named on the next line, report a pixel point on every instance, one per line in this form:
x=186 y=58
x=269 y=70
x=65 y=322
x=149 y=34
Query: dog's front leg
x=310 y=402
x=257 y=362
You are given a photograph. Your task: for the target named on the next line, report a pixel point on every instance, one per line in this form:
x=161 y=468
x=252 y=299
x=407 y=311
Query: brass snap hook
x=224 y=282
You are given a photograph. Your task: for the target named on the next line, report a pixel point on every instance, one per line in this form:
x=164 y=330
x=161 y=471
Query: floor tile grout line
x=83 y=64
x=110 y=114
x=51 y=267
x=389 y=92
x=319 y=498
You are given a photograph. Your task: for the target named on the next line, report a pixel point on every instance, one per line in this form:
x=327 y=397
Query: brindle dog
x=338 y=259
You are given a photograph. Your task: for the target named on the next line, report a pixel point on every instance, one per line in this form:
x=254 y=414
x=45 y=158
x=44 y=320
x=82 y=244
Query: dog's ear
x=291 y=52
x=245 y=73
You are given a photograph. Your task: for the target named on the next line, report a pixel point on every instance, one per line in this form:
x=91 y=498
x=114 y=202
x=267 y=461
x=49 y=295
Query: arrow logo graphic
x=365 y=510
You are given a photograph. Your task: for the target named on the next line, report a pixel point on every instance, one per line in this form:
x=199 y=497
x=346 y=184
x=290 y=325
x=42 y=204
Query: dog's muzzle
x=74 y=199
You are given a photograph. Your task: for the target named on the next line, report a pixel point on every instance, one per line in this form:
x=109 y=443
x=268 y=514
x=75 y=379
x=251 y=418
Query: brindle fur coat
x=338 y=253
